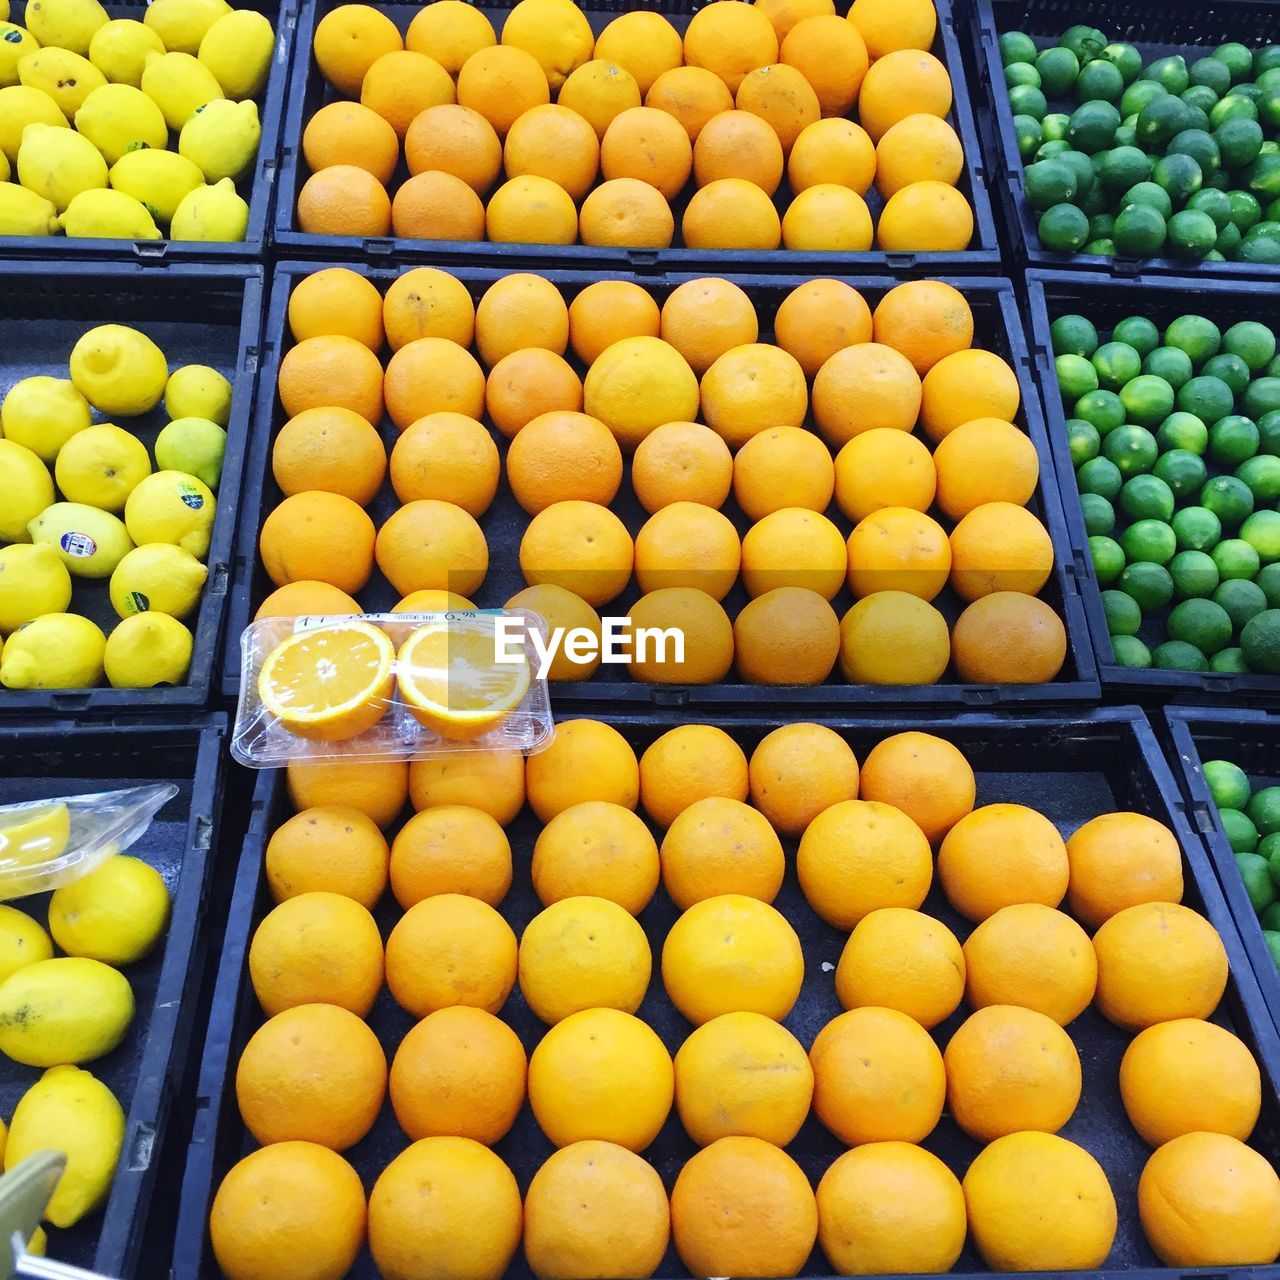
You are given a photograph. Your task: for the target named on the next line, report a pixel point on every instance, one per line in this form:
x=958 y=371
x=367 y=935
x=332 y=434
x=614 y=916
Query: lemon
x=119 y=370
x=146 y=650
x=69 y=24
x=213 y=214
x=19 y=107
x=66 y=77
x=38 y=1245
x=115 y=914
x=108 y=215
x=179 y=84
x=158 y=179
x=15 y=43
x=222 y=138
x=88 y=541
x=66 y=1010
x=198 y=391
x=36 y=833
x=158 y=577
x=119 y=50
x=101 y=466
x=238 y=49
x=171 y=506
x=182 y=24
x=56 y=651
x=4 y=167
x=71 y=1111
x=26 y=488
x=33 y=582
x=22 y=212
x=59 y=164
x=117 y=119
x=194 y=445
x=42 y=414
x=22 y=941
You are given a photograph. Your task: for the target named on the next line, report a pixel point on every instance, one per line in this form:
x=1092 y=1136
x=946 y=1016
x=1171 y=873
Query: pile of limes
x=1162 y=160
x=1175 y=439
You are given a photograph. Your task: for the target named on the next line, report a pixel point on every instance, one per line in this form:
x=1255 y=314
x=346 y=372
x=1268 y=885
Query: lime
x=1170 y=71
x=1269 y=429
x=1235 y=558
x=1016 y=46
x=1073 y=335
x=1133 y=449
x=1159 y=120
x=1230 y=499
x=1261 y=531
x=1169 y=363
x=1129 y=651
x=1266 y=60
x=1101 y=226
x=1269 y=580
x=1149 y=540
x=1122 y=613
x=1148 y=193
x=1264 y=809
x=1076 y=377
x=1107 y=557
x=1027 y=100
x=1255 y=871
x=1083 y=441
x=1053 y=147
x=1253 y=92
x=1137 y=332
x=1235 y=106
x=1139 y=231
x=1262 y=474
x=1146 y=497
x=1196 y=528
x=1269 y=109
x=1100 y=80
x=1226 y=244
x=1201 y=97
x=1217 y=204
x=1099 y=514
x=1149 y=584
x=1058 y=68
x=1233 y=440
x=1064 y=228
x=1182 y=471
x=1138 y=95
x=1028 y=133
x=1116 y=363
x=1262 y=177
x=1238 y=827
x=1125 y=58
x=1260 y=641
x=1103 y=248
x=1246 y=212
x=1270 y=918
x=1228 y=784
x=1101 y=476
x=1262 y=396
x=1127 y=133
x=1230 y=660
x=1194 y=575
x=1084 y=41
x=1199 y=337
x=1100 y=408
x=1273 y=947
x=1082 y=166
x=1202 y=623
x=1017 y=73
x=1237 y=58
x=1252 y=342
x=1230 y=368
x=1191 y=234
x=1177 y=655
x=1208 y=398
x=1147 y=400
x=1119 y=168
x=1239 y=140
x=1048 y=182
x=1212 y=72
x=1241 y=599
x=1197 y=144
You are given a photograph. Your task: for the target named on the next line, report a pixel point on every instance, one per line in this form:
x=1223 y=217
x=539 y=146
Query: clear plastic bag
x=402 y=686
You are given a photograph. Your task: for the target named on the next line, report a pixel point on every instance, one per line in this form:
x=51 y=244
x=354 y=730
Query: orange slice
x=330 y=683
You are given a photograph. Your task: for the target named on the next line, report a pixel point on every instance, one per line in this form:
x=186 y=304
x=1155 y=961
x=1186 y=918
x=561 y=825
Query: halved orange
x=329 y=683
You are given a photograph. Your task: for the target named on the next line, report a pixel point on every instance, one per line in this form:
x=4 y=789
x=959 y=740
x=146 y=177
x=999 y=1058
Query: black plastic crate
x=257 y=187
x=198 y=314
x=1179 y=26
x=65 y=757
x=308 y=91
x=1070 y=769
x=997 y=327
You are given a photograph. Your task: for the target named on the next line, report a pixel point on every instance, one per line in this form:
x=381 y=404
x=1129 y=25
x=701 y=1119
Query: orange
x=555 y=32
x=688 y=545
x=919 y=148
x=427 y=303
x=1162 y=1078
x=751 y=388
x=331 y=449
x=316 y=948
x=349 y=40
x=626 y=213
x=925 y=320
x=447 y=456
x=432 y=375
x=319 y=373
x=693 y=95
x=999 y=547
x=502 y=82
x=597 y=849
x=378 y=789
x=887 y=25
x=738 y=144
x=829 y=52
x=432 y=601
x=559 y=608
x=449 y=31
x=925 y=217
x=553 y=142
x=1037 y=1202
x=608 y=311
x=901 y=959
x=450 y=849
x=432 y=544
x=1119 y=860
x=454 y=139
x=531 y=210
x=731 y=39
x=717 y=846
x=968 y=385
x=517 y=311
x=293 y=1210
x=460 y=1073
x=1207 y=1200
x=690 y=763
x=336 y=301
x=595 y=1208
x=890 y=1208
x=862 y=387
x=447 y=950
x=925 y=776
x=832 y=152
x=437 y=206
x=877 y=1077
x=743 y=1075
x=793 y=548
x=828 y=217
x=321 y=537
x=401 y=84
x=646 y=44
x=787 y=636
x=530 y=384
x=784 y=14
x=985 y=461
x=743 y=1207
x=450 y=684
x=799 y=770
x=819 y=318
x=583 y=953
x=703 y=319
x=893 y=637
x=731 y=213
x=650 y=145
x=731 y=954
x=561 y=456
x=598 y=91
x=898 y=549
x=901 y=83
x=782 y=98
x=860 y=855
x=883 y=468
x=681 y=462
x=580 y=546
x=351 y=134
x=344 y=200
x=1009 y=638
x=314 y=1073
x=298 y=599
x=1156 y=962
x=587 y=760
x=329 y=849
x=638 y=384
x=488 y=780
x=699 y=618
x=467 y=1185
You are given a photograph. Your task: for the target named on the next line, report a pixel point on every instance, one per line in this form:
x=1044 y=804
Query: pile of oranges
x=553 y=135
x=866 y=842
x=873 y=450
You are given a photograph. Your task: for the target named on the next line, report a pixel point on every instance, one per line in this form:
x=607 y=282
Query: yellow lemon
x=221 y=138
x=42 y=414
x=68 y=24
x=107 y=215
x=25 y=490
x=56 y=651
x=212 y=214
x=65 y=1010
x=59 y=164
x=65 y=76
x=118 y=119
x=15 y=43
x=19 y=107
x=179 y=84
x=88 y=541
x=115 y=914
x=198 y=391
x=119 y=50
x=22 y=942
x=238 y=49
x=158 y=180
x=33 y=582
x=157 y=578
x=171 y=506
x=147 y=650
x=101 y=466
x=120 y=371
x=182 y=24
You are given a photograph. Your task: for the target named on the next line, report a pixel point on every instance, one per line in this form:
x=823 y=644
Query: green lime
x=1182 y=471
x=1119 y=168
x=1233 y=439
x=1138 y=95
x=1028 y=133
x=1027 y=100
x=1230 y=499
x=1252 y=342
x=1137 y=332
x=1264 y=809
x=1246 y=212
x=1099 y=514
x=1235 y=558
x=1194 y=575
x=1121 y=613
x=1126 y=59
x=1139 y=231
x=1261 y=397
x=1212 y=72
x=1149 y=584
x=1217 y=204
x=1101 y=227
x=1226 y=244
x=1064 y=228
x=1169 y=363
x=1197 y=144
x=1191 y=234
x=1054 y=126
x=1273 y=947
x=1048 y=182
x=1147 y=400
x=1230 y=369
x=1083 y=441
x=1058 y=69
x=1101 y=476
x=1084 y=41
x=1129 y=651
x=1170 y=71
x=1260 y=641
x=1196 y=529
x=1266 y=60
x=1256 y=874
x=1269 y=427
x=1239 y=140
x=1230 y=660
x=1086 y=180
x=1148 y=193
x=1261 y=531
x=1201 y=97
x=1253 y=92
x=1270 y=918
x=1228 y=784
x=1017 y=73
x=1183 y=431
x=1053 y=147
x=1127 y=133
x=1146 y=497
x=1269 y=110
x=1016 y=46
x=1235 y=106
x=1208 y=398
x=1241 y=599
x=1149 y=540
x=1107 y=557
x=1262 y=177
x=1177 y=655
x=1159 y=120
x=1073 y=335
x=1076 y=377
x=1103 y=248
x=1198 y=336
x=1202 y=623
x=1269 y=580
x=1238 y=827
x=1116 y=363
x=1262 y=474
x=1237 y=58
x=1101 y=408
x=1100 y=80
x=1269 y=847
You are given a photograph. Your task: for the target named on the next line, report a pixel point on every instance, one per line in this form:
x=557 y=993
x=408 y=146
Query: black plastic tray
x=65 y=757
x=308 y=92
x=198 y=313
x=258 y=187
x=1173 y=26
x=997 y=326
x=1105 y=300
x=1070 y=769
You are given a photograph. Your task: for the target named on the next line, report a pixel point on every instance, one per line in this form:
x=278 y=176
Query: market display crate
x=309 y=91
x=997 y=328
x=1156 y=30
x=197 y=314
x=1070 y=769
x=1050 y=294
x=60 y=757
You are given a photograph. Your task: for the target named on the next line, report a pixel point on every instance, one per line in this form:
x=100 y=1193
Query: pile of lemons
x=90 y=104
x=145 y=529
